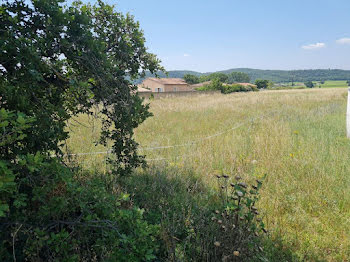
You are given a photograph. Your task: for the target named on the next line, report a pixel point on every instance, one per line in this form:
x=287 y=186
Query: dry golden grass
x=297 y=138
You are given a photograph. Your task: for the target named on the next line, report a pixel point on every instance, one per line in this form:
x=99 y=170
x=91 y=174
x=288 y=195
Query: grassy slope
x=300 y=143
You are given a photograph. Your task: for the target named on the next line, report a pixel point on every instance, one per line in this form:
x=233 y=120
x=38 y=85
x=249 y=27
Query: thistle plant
x=238 y=221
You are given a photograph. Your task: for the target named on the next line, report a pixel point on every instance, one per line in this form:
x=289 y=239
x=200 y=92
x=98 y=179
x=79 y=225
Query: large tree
x=57 y=61
x=191 y=79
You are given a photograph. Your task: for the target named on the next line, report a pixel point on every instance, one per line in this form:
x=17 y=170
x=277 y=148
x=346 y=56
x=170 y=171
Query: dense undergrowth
x=201 y=223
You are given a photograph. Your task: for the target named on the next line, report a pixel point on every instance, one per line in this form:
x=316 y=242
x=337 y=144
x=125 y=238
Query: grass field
x=334 y=84
x=327 y=84
x=296 y=137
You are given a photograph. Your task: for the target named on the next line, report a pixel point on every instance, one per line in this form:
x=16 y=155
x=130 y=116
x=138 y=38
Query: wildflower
x=236 y=253
x=296 y=132
x=291 y=155
x=217 y=243
x=239 y=193
x=254 y=162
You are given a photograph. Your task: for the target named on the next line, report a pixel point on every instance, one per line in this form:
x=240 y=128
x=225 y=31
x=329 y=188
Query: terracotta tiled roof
x=246 y=84
x=142 y=89
x=201 y=84
x=242 y=84
x=169 y=81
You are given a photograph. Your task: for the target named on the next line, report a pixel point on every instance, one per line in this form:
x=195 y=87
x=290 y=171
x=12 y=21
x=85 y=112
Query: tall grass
x=296 y=137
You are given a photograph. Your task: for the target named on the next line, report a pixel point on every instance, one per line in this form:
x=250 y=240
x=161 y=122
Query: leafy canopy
x=58 y=61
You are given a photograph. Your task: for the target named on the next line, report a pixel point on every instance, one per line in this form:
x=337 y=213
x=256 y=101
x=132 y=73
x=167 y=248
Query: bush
x=226 y=89
x=262 y=84
x=81 y=218
x=309 y=84
x=198 y=223
x=214 y=85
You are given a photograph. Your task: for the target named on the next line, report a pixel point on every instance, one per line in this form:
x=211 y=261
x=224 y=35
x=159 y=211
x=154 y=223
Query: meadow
x=334 y=84
x=326 y=84
x=296 y=137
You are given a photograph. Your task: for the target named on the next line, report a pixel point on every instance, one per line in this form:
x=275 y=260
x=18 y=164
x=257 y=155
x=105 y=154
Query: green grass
x=334 y=84
x=300 y=143
x=327 y=84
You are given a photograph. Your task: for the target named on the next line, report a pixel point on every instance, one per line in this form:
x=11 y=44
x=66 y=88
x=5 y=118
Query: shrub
x=214 y=85
x=262 y=84
x=309 y=84
x=66 y=218
x=198 y=223
x=226 y=89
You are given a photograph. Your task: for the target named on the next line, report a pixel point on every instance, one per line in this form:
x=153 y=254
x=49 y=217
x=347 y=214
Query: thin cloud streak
x=314 y=46
x=343 y=41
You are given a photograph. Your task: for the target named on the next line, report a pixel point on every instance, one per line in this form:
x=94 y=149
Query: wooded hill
x=272 y=75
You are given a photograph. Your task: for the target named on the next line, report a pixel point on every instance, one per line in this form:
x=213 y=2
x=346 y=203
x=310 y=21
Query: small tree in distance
x=191 y=79
x=309 y=84
x=261 y=83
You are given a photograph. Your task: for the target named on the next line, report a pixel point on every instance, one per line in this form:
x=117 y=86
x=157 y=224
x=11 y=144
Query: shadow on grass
x=182 y=205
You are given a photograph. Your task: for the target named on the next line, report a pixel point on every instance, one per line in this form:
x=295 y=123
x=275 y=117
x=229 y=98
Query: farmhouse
x=157 y=85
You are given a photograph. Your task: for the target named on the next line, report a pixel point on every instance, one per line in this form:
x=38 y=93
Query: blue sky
x=264 y=34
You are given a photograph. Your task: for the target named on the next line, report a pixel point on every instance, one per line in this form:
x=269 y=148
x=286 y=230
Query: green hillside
x=273 y=75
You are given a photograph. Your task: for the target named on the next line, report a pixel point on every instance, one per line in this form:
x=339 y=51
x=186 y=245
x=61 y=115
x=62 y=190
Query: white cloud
x=314 y=46
x=344 y=41
x=186 y=55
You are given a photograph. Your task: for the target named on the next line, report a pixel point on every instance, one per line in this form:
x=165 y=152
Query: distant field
x=297 y=138
x=327 y=84
x=334 y=84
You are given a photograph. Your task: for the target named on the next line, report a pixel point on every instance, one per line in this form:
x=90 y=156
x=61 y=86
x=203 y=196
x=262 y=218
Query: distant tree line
x=233 y=77
x=277 y=76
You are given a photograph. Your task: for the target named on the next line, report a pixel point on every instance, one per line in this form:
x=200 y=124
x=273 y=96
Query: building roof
x=246 y=84
x=201 y=84
x=169 y=81
x=142 y=89
x=242 y=84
